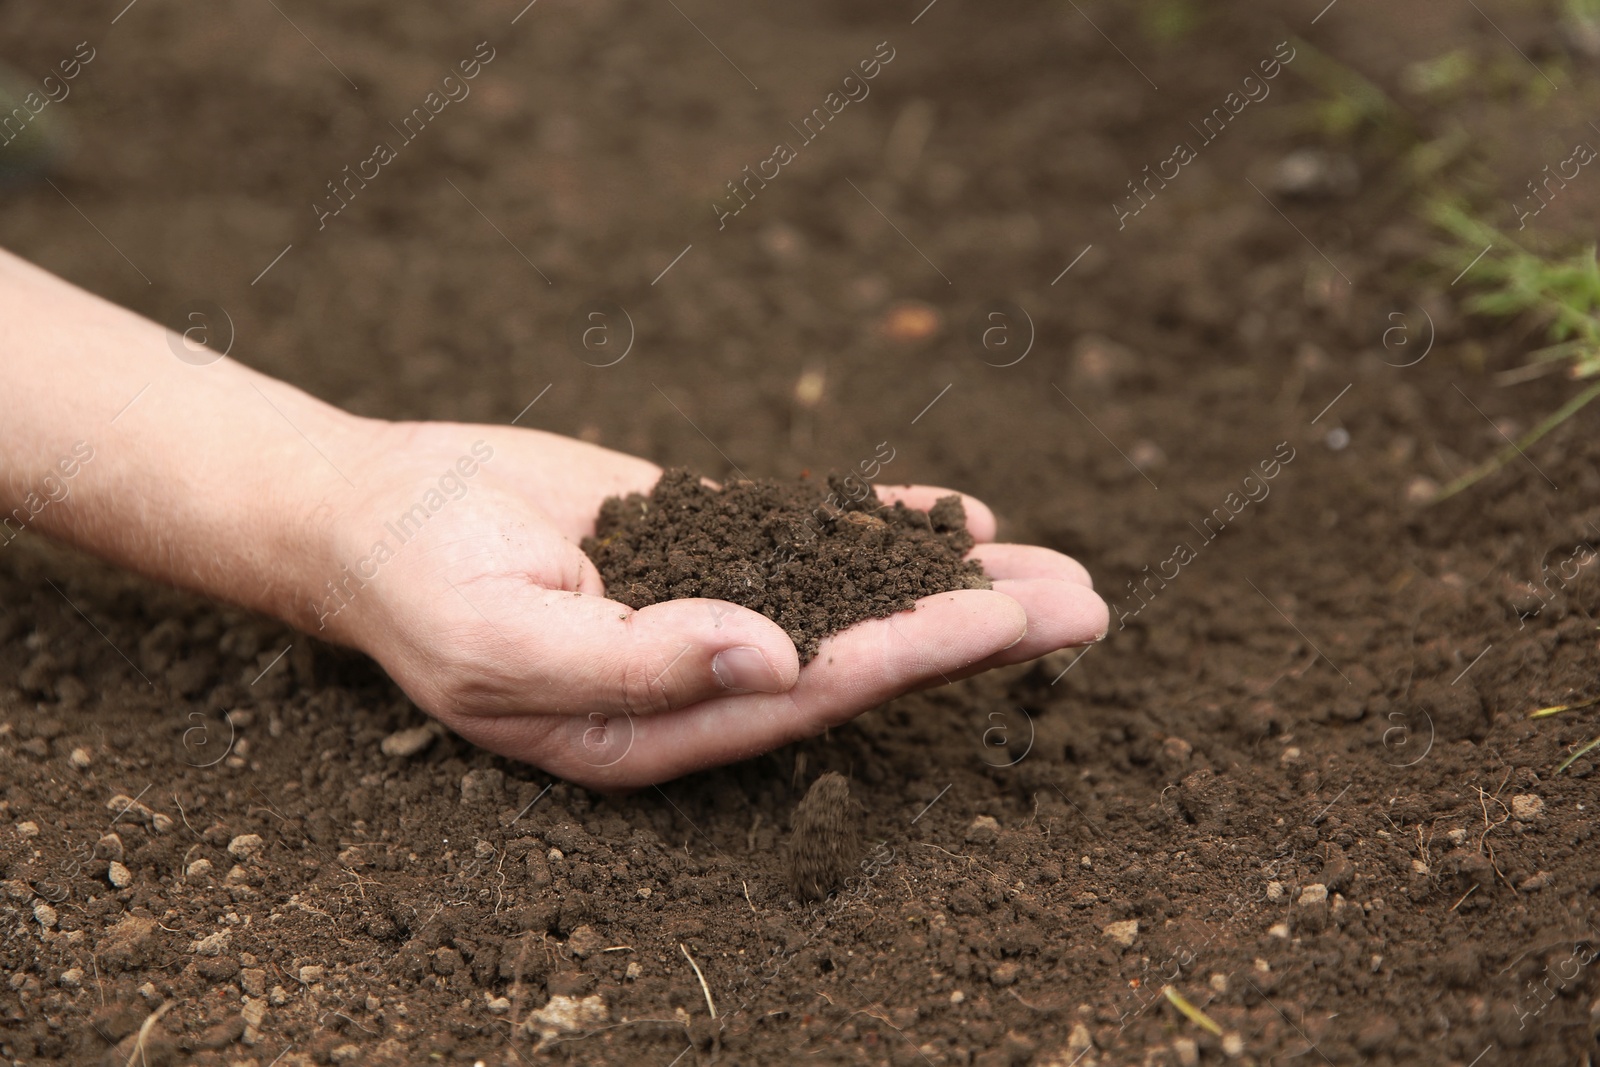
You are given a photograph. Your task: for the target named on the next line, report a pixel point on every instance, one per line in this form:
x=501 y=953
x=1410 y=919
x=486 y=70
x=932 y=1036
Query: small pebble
x=634 y=971
x=957 y=997
x=109 y=847
x=496 y=1005
x=1421 y=490
x=27 y=829
x=1187 y=1051
x=119 y=876
x=1123 y=933
x=245 y=846
x=1005 y=974
x=482 y=786
x=1525 y=807
x=1280 y=930
x=1147 y=455
x=1232 y=1046
x=71 y=978
x=211 y=944
x=1313 y=895
x=584 y=942
x=198 y=867
x=44 y=914
x=1079 y=1040
x=984 y=830
x=80 y=758
x=407 y=743
x=909 y=321
x=1275 y=891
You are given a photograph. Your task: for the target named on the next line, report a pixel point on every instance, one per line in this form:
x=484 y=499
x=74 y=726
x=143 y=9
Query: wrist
x=307 y=505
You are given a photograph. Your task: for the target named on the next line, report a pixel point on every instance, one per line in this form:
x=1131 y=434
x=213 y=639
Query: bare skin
x=222 y=480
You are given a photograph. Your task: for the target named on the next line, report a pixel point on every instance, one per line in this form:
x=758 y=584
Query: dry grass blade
x=703 y=987
x=1557 y=709
x=1570 y=760
x=137 y=1054
x=1191 y=1012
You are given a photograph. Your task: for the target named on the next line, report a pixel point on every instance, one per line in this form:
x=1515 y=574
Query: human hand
x=220 y=479
x=495 y=622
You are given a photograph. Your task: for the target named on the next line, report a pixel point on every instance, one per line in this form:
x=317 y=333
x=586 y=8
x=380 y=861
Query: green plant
x=1349 y=104
x=1440 y=75
x=1564 y=292
x=1170 y=21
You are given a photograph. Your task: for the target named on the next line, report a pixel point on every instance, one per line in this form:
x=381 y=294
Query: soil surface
x=1298 y=783
x=812 y=562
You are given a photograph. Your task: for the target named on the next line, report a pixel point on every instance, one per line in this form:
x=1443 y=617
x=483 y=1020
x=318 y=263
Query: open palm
x=493 y=620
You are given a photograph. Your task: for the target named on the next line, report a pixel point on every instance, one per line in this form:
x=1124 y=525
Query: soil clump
x=814 y=563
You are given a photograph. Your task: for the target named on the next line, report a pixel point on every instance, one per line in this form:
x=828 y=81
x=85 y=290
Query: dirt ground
x=1298 y=784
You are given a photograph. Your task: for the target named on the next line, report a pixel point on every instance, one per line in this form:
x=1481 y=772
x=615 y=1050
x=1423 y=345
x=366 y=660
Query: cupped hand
x=455 y=564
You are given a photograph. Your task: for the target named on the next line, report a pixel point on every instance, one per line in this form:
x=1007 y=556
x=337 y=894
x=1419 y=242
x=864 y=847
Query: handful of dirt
x=814 y=562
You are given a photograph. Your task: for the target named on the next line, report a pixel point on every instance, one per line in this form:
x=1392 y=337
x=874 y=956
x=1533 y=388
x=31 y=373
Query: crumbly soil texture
x=1298 y=783
x=814 y=561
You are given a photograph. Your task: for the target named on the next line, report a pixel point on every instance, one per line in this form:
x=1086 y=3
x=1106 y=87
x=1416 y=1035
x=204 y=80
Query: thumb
x=586 y=654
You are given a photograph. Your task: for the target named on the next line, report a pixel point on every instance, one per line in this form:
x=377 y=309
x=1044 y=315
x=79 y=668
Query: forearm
x=215 y=478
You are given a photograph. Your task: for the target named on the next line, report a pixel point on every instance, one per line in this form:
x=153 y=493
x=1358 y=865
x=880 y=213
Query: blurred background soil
x=1298 y=784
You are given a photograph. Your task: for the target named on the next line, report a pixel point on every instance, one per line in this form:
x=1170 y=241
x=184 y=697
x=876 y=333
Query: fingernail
x=747 y=669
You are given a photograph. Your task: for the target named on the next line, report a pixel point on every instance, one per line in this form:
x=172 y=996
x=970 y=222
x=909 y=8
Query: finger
x=1061 y=614
x=574 y=654
x=980 y=520
x=854 y=670
x=1029 y=561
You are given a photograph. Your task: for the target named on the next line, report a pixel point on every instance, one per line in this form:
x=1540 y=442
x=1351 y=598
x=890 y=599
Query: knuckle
x=644 y=686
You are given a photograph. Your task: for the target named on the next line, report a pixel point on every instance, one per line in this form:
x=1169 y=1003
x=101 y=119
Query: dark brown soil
x=1298 y=782
x=814 y=562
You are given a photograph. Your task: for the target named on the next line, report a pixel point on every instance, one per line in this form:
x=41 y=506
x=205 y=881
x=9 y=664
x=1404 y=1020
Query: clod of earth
x=813 y=561
x=825 y=844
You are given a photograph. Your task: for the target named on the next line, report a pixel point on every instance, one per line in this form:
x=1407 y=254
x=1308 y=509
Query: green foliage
x=1515 y=281
x=1349 y=104
x=1169 y=21
x=1440 y=75
x=1565 y=293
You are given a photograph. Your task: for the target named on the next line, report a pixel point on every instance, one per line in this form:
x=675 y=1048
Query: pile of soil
x=813 y=563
